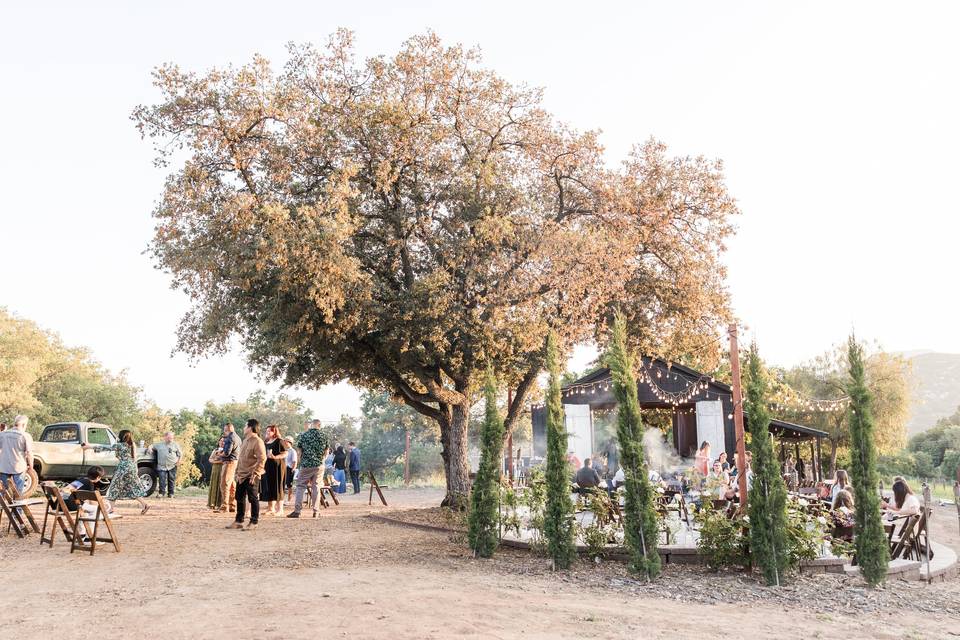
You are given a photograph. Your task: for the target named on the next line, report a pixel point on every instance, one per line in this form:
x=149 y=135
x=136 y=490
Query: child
x=87 y=483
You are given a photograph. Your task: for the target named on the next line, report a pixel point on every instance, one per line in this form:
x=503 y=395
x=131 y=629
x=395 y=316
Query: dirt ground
x=182 y=575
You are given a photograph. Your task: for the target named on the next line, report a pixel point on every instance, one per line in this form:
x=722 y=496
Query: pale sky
x=838 y=124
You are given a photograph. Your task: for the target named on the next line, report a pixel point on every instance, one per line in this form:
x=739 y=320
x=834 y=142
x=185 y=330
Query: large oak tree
x=405 y=223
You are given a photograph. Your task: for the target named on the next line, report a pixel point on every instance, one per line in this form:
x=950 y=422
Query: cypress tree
x=767 y=502
x=640 y=518
x=482 y=534
x=558 y=521
x=872 y=552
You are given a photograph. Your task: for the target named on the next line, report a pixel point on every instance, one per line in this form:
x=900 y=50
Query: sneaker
x=234 y=525
x=293 y=514
x=251 y=527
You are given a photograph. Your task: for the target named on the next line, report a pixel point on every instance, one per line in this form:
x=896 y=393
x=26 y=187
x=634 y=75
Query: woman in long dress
x=125 y=484
x=216 y=465
x=271 y=484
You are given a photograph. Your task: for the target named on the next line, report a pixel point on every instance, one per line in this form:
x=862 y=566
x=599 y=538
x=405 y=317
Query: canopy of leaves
x=407 y=222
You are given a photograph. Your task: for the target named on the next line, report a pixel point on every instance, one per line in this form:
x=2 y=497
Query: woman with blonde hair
x=840 y=483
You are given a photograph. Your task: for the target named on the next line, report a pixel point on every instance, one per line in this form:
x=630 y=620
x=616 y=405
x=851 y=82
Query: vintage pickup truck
x=57 y=454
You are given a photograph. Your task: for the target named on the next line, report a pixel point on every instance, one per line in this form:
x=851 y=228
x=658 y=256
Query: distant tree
x=406 y=223
x=640 y=529
x=767 y=502
x=558 y=522
x=887 y=378
x=484 y=498
x=384 y=425
x=871 y=542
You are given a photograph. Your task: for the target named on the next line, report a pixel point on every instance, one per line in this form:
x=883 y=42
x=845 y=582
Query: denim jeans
x=18 y=480
x=167 y=481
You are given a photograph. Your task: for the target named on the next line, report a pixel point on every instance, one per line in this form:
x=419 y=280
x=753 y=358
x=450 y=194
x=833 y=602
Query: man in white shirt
x=16 y=453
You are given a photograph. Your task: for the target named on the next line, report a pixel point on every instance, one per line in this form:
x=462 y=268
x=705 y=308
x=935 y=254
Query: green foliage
x=384 y=424
x=510 y=503
x=805 y=534
x=934 y=445
x=872 y=552
x=722 y=541
x=484 y=496
x=558 y=526
x=595 y=538
x=767 y=502
x=640 y=517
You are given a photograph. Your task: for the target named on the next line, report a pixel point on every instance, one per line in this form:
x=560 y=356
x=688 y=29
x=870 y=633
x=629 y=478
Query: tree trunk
x=455 y=458
x=833 y=458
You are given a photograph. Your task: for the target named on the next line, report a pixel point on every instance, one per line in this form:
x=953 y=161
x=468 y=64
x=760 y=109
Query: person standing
x=251 y=459
x=291 y=462
x=354 y=466
x=312 y=444
x=228 y=480
x=125 y=483
x=214 y=497
x=340 y=468
x=168 y=455
x=271 y=488
x=16 y=453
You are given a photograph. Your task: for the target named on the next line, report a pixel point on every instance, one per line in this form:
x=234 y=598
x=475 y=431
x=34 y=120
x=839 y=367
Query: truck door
x=101 y=437
x=62 y=454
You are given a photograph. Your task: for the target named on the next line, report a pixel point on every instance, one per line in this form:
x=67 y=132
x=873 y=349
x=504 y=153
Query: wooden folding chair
x=902 y=544
x=14 y=521
x=330 y=490
x=58 y=514
x=99 y=515
x=17 y=510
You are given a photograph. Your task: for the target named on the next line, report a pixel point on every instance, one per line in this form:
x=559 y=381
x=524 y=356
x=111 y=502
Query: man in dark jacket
x=354 y=466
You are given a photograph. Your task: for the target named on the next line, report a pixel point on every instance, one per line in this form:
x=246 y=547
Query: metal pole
x=738 y=416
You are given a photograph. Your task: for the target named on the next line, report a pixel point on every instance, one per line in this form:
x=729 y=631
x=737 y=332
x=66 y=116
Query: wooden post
x=406 y=460
x=738 y=417
x=819 y=460
x=510 y=440
x=956 y=498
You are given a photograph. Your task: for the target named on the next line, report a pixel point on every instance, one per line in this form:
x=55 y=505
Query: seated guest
x=843 y=500
x=87 y=483
x=722 y=459
x=587 y=477
x=619 y=478
x=904 y=502
x=718 y=482
x=842 y=515
x=840 y=483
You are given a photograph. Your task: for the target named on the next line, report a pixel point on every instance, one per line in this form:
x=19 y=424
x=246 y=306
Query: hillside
x=937 y=395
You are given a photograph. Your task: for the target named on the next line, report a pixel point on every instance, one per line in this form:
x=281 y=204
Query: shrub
x=722 y=541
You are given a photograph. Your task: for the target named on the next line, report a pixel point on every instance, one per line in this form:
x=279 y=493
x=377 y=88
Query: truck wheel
x=32 y=483
x=148 y=479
